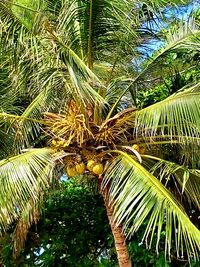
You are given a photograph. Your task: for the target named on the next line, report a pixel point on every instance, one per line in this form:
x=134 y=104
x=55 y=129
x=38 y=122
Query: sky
x=181 y=13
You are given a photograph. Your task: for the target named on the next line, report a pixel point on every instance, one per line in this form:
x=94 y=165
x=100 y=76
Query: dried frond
x=30 y=215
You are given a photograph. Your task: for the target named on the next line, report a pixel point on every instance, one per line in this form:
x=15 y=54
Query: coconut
x=71 y=171
x=80 y=168
x=90 y=164
x=98 y=169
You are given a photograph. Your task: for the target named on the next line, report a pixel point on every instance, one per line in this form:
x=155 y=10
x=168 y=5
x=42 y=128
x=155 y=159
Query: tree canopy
x=72 y=104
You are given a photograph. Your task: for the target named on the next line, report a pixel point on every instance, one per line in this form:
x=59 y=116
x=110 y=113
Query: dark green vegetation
x=74 y=231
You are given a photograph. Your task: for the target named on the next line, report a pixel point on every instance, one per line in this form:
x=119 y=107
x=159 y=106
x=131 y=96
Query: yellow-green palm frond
x=28 y=13
x=40 y=53
x=21 y=177
x=19 y=131
x=167 y=171
x=85 y=91
x=175 y=41
x=113 y=92
x=184 y=30
x=176 y=38
x=29 y=215
x=176 y=116
x=137 y=196
x=9 y=20
x=30 y=122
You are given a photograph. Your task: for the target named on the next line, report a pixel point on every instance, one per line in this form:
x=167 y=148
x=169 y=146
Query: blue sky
x=178 y=12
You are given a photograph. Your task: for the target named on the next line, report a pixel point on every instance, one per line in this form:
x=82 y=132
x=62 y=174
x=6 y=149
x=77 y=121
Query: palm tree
x=85 y=121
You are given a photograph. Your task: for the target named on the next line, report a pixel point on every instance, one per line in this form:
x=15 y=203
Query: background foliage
x=74 y=231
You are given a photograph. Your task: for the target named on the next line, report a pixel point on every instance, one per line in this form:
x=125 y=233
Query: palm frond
x=30 y=129
x=177 y=115
x=186 y=35
x=28 y=12
x=20 y=179
x=188 y=179
x=84 y=93
x=18 y=131
x=175 y=41
x=13 y=30
x=137 y=195
x=38 y=52
x=114 y=90
x=29 y=123
x=28 y=216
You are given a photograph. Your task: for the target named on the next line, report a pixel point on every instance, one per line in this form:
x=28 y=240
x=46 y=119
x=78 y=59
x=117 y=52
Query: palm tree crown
x=85 y=115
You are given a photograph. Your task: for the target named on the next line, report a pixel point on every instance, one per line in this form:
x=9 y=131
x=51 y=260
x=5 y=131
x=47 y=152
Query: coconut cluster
x=75 y=169
x=92 y=166
x=83 y=161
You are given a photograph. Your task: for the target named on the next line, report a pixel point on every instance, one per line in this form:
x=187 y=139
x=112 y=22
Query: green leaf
x=137 y=195
x=20 y=179
x=188 y=179
x=176 y=116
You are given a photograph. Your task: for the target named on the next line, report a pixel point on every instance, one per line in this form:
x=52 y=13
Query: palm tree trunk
x=119 y=238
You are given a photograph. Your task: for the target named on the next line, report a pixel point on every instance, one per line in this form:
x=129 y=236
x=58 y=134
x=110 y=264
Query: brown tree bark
x=119 y=238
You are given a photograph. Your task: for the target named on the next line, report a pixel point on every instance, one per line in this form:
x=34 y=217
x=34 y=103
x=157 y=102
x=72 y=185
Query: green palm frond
x=30 y=129
x=177 y=115
x=30 y=122
x=188 y=179
x=86 y=24
x=114 y=90
x=137 y=195
x=193 y=43
x=188 y=147
x=175 y=41
x=21 y=177
x=68 y=24
x=8 y=17
x=84 y=93
x=28 y=216
x=19 y=130
x=186 y=35
x=184 y=30
x=38 y=52
x=28 y=12
x=13 y=30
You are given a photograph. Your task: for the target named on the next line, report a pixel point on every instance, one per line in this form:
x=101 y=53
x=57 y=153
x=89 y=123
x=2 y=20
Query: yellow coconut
x=90 y=164
x=80 y=168
x=71 y=171
x=136 y=147
x=98 y=169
